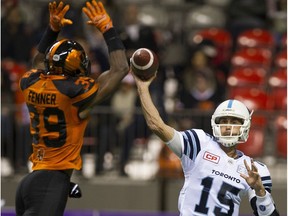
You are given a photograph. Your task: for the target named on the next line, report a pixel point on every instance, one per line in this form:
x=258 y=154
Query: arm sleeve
x=176 y=143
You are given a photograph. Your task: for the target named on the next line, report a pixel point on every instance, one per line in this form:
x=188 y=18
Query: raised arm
x=56 y=22
x=151 y=114
x=109 y=80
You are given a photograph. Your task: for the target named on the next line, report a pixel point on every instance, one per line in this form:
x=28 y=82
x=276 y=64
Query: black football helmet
x=67 y=57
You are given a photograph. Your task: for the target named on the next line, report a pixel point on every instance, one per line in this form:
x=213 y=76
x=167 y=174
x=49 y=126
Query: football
x=144 y=63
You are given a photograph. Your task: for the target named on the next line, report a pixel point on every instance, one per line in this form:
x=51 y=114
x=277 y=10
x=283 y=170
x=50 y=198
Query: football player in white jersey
x=217 y=175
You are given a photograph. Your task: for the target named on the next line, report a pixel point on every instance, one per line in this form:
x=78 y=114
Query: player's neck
x=230 y=151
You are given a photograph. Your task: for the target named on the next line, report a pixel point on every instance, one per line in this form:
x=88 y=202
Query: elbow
x=38 y=61
x=119 y=63
x=121 y=70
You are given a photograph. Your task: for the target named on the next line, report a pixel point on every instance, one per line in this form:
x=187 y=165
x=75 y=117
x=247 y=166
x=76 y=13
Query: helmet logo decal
x=230 y=104
x=56 y=57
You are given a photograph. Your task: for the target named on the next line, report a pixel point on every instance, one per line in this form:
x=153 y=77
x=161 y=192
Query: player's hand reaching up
x=57 y=13
x=253 y=178
x=97 y=16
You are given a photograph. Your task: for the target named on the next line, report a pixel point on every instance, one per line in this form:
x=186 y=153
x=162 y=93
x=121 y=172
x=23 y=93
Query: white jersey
x=213 y=185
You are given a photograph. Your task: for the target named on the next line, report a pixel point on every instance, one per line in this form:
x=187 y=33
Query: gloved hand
x=97 y=15
x=57 y=13
x=75 y=191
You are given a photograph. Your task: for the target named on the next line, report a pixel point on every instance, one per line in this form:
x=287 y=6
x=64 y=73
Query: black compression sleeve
x=112 y=40
x=47 y=39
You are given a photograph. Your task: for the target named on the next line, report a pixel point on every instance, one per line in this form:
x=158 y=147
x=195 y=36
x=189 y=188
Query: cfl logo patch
x=211 y=157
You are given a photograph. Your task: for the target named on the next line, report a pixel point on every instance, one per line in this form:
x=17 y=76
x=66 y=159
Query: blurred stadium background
x=249 y=58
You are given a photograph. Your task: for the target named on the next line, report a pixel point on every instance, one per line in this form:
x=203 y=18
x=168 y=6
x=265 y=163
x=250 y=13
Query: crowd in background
x=192 y=74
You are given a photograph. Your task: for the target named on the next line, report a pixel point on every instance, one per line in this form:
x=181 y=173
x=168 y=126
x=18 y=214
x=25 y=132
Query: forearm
x=119 y=68
x=48 y=38
x=117 y=57
x=118 y=64
x=152 y=116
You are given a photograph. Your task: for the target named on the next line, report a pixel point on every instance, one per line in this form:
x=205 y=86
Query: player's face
x=229 y=126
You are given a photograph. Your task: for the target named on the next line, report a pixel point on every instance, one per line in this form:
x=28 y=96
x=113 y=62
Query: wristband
x=112 y=40
x=47 y=39
x=265 y=205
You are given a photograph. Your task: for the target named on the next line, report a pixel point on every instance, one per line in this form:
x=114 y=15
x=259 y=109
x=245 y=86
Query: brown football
x=144 y=63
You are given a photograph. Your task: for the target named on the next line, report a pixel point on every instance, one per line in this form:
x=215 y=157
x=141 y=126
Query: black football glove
x=75 y=191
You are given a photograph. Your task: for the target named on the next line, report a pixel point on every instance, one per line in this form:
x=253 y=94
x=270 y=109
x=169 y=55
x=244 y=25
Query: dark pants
x=43 y=192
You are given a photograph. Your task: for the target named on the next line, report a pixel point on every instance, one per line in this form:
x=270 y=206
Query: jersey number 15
x=207 y=184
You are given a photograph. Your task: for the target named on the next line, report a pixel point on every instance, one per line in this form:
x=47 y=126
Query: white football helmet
x=232 y=108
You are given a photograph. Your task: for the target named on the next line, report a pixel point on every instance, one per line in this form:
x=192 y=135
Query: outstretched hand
x=97 y=16
x=57 y=13
x=253 y=178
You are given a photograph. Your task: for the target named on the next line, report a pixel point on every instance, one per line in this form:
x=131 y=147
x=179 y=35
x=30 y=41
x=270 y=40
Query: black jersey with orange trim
x=57 y=131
